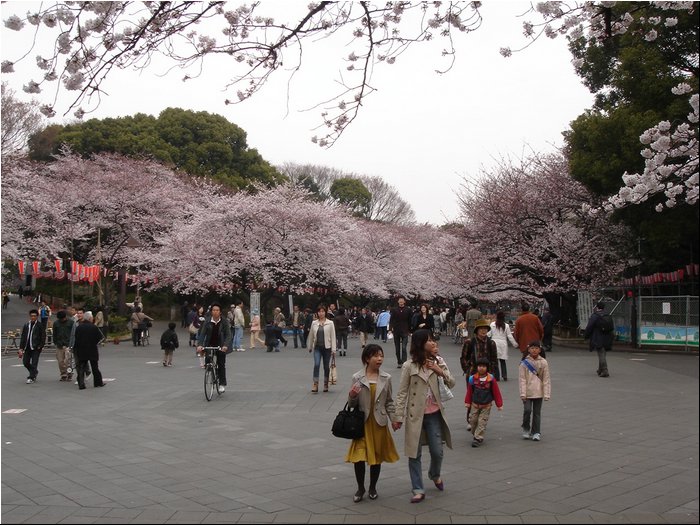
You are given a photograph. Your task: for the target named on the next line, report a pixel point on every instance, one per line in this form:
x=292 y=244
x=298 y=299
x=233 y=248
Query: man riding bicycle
x=216 y=331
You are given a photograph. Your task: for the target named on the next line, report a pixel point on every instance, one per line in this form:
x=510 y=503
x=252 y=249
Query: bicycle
x=144 y=337
x=211 y=377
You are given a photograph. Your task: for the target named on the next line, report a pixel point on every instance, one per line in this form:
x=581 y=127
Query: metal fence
x=668 y=321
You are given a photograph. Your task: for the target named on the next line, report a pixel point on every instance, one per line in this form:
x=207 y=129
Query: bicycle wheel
x=209 y=382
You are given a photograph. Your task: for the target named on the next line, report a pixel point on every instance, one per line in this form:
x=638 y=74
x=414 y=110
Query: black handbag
x=349 y=423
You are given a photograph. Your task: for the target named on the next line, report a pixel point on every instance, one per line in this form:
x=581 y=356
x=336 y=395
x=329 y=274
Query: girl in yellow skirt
x=371 y=390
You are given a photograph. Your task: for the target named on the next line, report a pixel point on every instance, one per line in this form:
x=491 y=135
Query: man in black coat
x=31 y=344
x=85 y=348
x=400 y=326
x=601 y=332
x=364 y=325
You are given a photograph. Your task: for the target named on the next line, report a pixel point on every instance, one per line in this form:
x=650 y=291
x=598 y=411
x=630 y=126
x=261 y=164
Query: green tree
x=352 y=193
x=199 y=143
x=632 y=81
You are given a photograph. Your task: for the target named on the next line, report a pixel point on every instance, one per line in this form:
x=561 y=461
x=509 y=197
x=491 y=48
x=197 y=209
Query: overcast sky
x=422 y=132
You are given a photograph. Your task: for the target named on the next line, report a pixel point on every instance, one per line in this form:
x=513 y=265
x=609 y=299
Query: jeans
x=318 y=354
x=30 y=360
x=400 y=343
x=432 y=425
x=382 y=332
x=237 y=337
x=532 y=406
x=298 y=332
x=342 y=340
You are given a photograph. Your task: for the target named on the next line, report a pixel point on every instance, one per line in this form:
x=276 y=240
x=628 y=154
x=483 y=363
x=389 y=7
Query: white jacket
x=328 y=334
x=501 y=338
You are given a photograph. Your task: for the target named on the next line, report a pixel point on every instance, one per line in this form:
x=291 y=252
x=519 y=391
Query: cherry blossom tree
x=94 y=38
x=525 y=231
x=35 y=224
x=670 y=149
x=52 y=210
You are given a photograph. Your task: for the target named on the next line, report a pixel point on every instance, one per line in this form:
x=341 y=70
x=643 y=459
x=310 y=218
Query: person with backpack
x=600 y=330
x=168 y=343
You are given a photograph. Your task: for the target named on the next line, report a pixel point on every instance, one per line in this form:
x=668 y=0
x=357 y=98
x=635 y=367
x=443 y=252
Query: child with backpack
x=169 y=342
x=535 y=386
x=482 y=391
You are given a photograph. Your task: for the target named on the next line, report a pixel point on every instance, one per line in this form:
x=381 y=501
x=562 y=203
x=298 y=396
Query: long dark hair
x=501 y=320
x=418 y=340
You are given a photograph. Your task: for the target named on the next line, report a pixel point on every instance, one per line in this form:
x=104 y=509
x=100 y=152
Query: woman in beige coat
x=418 y=402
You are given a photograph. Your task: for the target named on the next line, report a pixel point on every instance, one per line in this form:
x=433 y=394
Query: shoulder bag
x=349 y=423
x=445 y=393
x=333 y=378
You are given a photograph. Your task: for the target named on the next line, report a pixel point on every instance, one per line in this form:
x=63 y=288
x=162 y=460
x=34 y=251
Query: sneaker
x=222 y=389
x=241 y=349
x=469 y=427
x=526 y=434
x=476 y=443
x=170 y=364
x=536 y=436
x=165 y=364
x=30 y=381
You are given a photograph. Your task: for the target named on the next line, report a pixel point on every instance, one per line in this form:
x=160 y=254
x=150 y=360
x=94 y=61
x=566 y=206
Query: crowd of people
x=425 y=378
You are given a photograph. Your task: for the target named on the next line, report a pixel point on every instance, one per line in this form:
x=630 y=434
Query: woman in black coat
x=423 y=320
x=87 y=338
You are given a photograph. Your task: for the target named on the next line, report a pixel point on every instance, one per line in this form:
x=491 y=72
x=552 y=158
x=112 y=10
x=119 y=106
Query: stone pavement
x=149 y=448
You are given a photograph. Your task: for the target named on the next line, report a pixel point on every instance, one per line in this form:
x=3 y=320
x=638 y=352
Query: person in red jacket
x=482 y=391
x=528 y=327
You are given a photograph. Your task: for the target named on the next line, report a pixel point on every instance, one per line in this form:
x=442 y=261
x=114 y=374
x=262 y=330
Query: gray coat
x=383 y=401
x=410 y=405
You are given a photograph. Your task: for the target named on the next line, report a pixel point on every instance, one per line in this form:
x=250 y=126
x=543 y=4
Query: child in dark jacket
x=169 y=342
x=273 y=336
x=482 y=391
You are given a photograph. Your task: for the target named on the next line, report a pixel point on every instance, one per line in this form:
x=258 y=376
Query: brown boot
x=325 y=386
x=314 y=388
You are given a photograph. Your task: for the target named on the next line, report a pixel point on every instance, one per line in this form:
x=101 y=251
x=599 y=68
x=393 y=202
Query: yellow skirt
x=377 y=445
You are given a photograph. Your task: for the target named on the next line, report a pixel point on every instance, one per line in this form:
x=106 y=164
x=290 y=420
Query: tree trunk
x=121 y=303
x=563 y=308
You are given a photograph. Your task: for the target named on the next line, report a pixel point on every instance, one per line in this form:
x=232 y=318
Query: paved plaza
x=149 y=448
